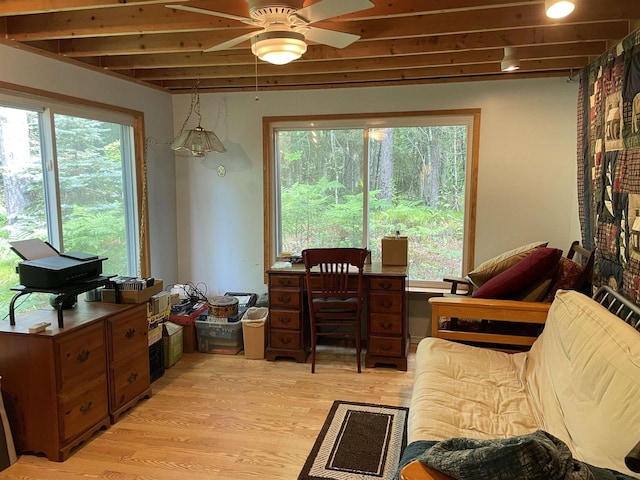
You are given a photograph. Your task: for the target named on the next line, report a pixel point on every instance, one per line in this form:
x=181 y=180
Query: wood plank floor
x=225 y=417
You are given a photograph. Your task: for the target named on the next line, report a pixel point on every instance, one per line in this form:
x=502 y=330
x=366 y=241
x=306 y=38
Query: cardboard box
x=173 y=343
x=394 y=250
x=132 y=296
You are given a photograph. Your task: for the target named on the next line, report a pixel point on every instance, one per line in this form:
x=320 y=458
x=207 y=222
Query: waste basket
x=253 y=331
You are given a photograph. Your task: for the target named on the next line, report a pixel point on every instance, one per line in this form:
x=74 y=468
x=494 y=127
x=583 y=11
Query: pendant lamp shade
x=510 y=62
x=197 y=141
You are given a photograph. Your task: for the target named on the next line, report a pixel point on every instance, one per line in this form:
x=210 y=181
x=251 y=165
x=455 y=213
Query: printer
x=47 y=269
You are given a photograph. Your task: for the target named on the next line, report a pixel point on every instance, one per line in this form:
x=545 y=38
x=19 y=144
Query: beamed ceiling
x=402 y=41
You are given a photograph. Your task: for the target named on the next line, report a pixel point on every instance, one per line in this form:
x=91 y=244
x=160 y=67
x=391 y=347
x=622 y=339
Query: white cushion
x=583 y=375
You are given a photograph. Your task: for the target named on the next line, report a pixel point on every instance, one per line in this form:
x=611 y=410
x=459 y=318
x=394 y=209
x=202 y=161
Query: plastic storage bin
x=253 y=331
x=219 y=337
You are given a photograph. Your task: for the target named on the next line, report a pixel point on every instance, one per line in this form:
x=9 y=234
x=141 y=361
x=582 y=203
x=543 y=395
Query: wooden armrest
x=486 y=309
x=459 y=281
x=419 y=471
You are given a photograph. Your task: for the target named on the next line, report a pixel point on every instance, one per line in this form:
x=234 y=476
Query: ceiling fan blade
x=187 y=8
x=331 y=8
x=233 y=42
x=330 y=37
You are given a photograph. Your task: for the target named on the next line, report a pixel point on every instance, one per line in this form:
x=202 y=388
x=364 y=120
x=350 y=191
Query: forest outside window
x=350 y=181
x=68 y=176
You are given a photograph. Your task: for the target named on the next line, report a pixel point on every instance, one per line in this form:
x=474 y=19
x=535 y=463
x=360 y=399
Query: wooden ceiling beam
x=158 y=19
x=197 y=42
x=302 y=67
x=562 y=65
x=30 y=7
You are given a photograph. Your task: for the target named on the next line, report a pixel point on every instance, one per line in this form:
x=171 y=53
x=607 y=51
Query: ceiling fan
x=285 y=25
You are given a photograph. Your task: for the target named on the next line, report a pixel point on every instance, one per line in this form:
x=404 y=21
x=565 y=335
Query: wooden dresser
x=386 y=315
x=62 y=385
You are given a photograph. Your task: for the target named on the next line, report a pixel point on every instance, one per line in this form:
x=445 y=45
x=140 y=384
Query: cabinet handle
x=386 y=303
x=286 y=299
x=285 y=320
x=85 y=407
x=286 y=340
x=130 y=333
x=284 y=283
x=83 y=356
x=386 y=285
x=132 y=377
x=386 y=325
x=385 y=347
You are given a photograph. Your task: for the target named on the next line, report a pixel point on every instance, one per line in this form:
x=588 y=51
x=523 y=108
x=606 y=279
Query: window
x=69 y=176
x=349 y=181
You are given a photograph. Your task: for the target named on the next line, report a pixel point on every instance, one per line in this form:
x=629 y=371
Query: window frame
x=50 y=103
x=367 y=120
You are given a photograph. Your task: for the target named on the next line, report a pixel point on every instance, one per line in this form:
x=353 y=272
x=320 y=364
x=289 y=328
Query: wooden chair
x=335 y=287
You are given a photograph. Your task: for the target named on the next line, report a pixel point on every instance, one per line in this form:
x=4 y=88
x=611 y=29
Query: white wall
x=35 y=71
x=526 y=183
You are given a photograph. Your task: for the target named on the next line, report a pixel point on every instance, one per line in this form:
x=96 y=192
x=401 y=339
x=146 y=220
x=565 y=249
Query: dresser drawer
x=287 y=319
x=385 y=346
x=385 y=302
x=83 y=407
x=128 y=334
x=285 y=280
x=284 y=298
x=284 y=339
x=385 y=324
x=129 y=379
x=386 y=284
x=82 y=356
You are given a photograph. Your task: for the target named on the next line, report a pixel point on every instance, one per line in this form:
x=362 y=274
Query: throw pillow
x=523 y=274
x=569 y=278
x=494 y=266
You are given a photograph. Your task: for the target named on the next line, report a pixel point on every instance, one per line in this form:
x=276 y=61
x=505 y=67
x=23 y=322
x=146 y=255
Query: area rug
x=358 y=441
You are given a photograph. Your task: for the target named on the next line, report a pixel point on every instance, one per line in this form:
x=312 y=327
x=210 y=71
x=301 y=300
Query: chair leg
x=358 y=346
x=313 y=351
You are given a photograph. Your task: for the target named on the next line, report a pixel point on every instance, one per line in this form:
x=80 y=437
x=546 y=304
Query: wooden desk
x=386 y=315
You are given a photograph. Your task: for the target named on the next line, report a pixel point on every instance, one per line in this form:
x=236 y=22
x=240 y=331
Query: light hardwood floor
x=225 y=417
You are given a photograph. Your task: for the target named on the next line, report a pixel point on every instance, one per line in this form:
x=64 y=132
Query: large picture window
x=68 y=176
x=350 y=181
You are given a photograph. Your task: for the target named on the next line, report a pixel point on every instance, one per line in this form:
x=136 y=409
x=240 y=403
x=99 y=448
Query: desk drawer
x=386 y=284
x=385 y=302
x=84 y=407
x=82 y=357
x=285 y=280
x=287 y=319
x=129 y=379
x=284 y=298
x=284 y=339
x=128 y=334
x=385 y=324
x=385 y=346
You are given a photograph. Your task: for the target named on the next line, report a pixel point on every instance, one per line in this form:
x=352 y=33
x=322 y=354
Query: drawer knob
x=386 y=285
x=84 y=408
x=286 y=299
x=386 y=303
x=385 y=347
x=130 y=333
x=286 y=340
x=132 y=377
x=386 y=325
x=285 y=320
x=83 y=356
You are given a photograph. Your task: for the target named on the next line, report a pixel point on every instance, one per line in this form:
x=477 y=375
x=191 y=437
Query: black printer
x=46 y=268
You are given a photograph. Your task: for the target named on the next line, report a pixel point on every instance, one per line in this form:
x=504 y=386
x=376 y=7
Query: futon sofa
x=580 y=382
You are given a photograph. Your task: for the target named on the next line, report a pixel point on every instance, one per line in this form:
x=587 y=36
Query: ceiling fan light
x=278 y=48
x=510 y=62
x=559 y=8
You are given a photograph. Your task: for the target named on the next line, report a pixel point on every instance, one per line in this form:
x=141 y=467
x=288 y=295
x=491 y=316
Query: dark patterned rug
x=358 y=441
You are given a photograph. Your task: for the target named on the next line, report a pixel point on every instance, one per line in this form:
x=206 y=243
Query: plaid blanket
x=535 y=456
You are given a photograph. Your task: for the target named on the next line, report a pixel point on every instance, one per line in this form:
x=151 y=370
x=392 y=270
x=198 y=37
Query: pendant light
x=510 y=62
x=197 y=141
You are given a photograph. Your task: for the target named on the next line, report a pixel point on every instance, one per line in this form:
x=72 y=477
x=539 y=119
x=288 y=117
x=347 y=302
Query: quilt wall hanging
x=609 y=165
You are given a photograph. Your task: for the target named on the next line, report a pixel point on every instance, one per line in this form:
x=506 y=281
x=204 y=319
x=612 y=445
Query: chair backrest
x=328 y=271
x=586 y=260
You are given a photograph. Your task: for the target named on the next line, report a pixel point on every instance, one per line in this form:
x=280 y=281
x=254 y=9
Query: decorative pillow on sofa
x=496 y=265
x=569 y=278
x=534 y=267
